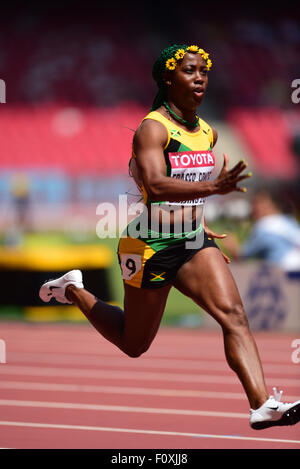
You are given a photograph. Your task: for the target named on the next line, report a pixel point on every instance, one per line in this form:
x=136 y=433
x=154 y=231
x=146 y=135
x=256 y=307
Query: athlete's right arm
x=148 y=145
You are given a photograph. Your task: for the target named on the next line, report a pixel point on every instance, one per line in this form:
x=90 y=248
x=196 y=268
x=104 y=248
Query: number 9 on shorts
x=131 y=264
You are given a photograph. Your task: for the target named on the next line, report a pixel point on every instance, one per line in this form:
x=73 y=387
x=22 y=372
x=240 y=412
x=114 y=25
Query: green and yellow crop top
x=188 y=155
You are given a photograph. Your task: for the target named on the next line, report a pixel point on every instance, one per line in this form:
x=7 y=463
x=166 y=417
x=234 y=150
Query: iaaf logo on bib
x=191 y=160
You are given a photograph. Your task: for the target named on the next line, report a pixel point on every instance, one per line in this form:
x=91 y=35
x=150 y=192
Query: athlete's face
x=189 y=81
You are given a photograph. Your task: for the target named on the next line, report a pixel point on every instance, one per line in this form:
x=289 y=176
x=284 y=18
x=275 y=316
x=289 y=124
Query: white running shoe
x=56 y=288
x=273 y=412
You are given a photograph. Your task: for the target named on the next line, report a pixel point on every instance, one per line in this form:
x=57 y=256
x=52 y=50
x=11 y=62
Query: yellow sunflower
x=205 y=56
x=208 y=64
x=179 y=54
x=171 y=64
x=193 y=48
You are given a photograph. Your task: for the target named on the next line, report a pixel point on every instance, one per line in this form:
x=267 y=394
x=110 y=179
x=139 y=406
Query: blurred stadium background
x=78 y=80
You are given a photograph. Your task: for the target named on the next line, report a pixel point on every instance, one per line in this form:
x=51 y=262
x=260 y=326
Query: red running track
x=64 y=386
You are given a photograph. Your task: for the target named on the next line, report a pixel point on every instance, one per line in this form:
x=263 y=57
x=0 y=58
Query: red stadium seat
x=269 y=138
x=100 y=144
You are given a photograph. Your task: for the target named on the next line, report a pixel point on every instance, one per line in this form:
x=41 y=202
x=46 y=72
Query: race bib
x=191 y=166
x=131 y=264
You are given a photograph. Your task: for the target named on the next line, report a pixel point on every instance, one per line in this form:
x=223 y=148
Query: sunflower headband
x=171 y=63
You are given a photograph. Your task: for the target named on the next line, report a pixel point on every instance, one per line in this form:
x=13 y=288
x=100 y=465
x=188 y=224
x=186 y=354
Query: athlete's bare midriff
x=172 y=217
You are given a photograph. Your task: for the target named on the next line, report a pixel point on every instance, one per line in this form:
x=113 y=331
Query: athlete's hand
x=211 y=234
x=229 y=178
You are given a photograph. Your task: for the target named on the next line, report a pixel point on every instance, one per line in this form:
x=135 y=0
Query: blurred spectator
x=275 y=236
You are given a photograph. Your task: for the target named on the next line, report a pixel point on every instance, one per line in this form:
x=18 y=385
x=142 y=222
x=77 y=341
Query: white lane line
x=143 y=432
x=117 y=408
x=143 y=362
x=133 y=375
x=83 y=388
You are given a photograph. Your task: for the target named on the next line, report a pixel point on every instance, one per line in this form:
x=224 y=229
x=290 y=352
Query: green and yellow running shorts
x=153 y=262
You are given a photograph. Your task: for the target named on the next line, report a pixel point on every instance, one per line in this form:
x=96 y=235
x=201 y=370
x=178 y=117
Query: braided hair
x=157 y=73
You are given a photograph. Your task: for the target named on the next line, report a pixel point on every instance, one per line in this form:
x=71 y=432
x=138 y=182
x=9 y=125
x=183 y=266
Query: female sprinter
x=172 y=163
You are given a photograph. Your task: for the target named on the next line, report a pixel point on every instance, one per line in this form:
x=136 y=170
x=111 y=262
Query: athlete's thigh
x=143 y=310
x=207 y=280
